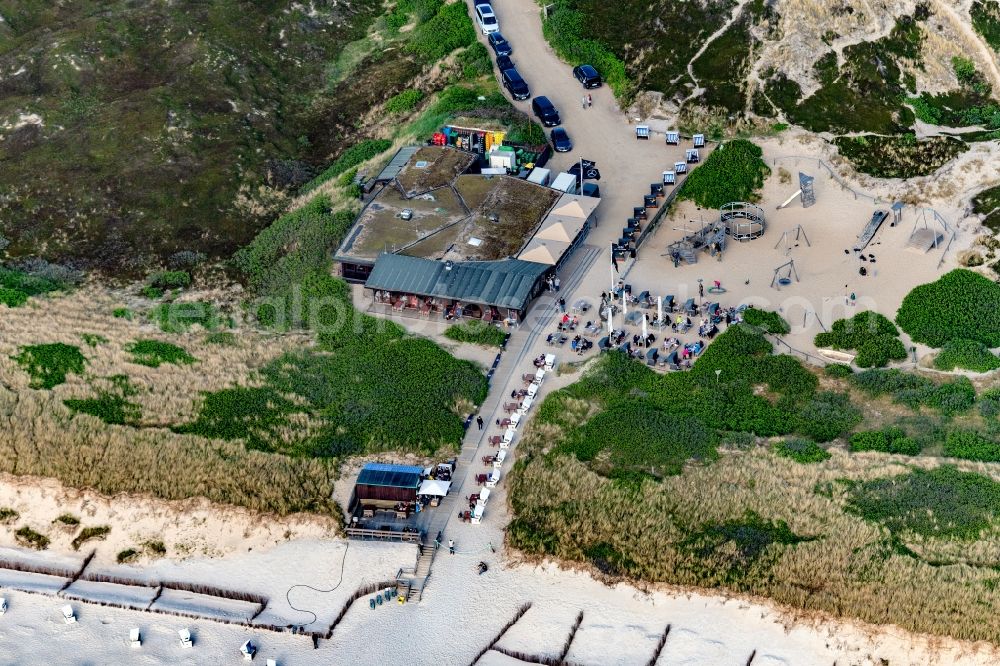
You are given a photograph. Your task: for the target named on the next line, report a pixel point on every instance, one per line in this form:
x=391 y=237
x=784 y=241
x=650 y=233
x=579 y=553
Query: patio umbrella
x=611 y=326
x=659 y=309
x=645 y=333
x=624 y=303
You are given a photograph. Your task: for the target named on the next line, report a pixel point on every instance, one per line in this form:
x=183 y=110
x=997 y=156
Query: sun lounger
x=185 y=638
x=69 y=617
x=248 y=650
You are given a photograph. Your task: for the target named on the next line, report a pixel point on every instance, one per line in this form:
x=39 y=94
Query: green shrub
x=29 y=538
x=8 y=515
x=733 y=172
x=12 y=297
x=838 y=370
x=93 y=339
x=801 y=450
x=941 y=502
x=474 y=61
x=477 y=333
x=127 y=555
x=179 y=317
x=352 y=157
x=49 y=364
x=971 y=446
x=151 y=292
x=111 y=404
x=451 y=28
x=913 y=390
x=222 y=338
x=122 y=313
x=89 y=534
x=166 y=280
x=826 y=416
x=989 y=403
x=563 y=29
x=960 y=305
x=871 y=334
x=154 y=353
x=967 y=354
x=986 y=21
x=887 y=440
x=404 y=101
x=155 y=547
x=67 y=519
x=771 y=322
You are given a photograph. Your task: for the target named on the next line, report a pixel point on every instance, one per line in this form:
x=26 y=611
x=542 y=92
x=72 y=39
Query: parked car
x=504 y=62
x=588 y=76
x=486 y=18
x=560 y=140
x=513 y=82
x=500 y=44
x=546 y=111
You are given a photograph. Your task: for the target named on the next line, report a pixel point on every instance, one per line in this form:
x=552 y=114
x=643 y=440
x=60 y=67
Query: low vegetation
x=960 y=305
x=986 y=21
x=67 y=519
x=111 y=403
x=766 y=320
x=914 y=391
x=29 y=538
x=971 y=445
x=987 y=204
x=735 y=171
x=353 y=156
x=899 y=156
x=154 y=353
x=888 y=440
x=99 y=533
x=49 y=364
x=565 y=27
x=128 y=555
x=967 y=355
x=179 y=317
x=477 y=333
x=8 y=515
x=801 y=450
x=16 y=286
x=874 y=337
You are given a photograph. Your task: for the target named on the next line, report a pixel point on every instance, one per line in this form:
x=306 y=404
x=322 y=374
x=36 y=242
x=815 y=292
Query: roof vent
x=448 y=265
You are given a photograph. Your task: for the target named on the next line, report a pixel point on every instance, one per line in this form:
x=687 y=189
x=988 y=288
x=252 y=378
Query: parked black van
x=545 y=111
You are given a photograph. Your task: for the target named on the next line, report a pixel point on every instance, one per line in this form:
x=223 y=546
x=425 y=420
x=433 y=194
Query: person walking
x=555 y=283
x=451 y=546
x=479 y=422
x=583 y=101
x=590 y=101
x=701 y=290
x=562 y=304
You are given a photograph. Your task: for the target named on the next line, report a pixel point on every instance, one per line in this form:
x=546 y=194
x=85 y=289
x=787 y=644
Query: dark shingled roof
x=507 y=283
x=392 y=476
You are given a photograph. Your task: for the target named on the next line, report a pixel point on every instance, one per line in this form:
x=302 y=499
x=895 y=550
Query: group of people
x=580 y=345
x=552 y=283
x=587 y=101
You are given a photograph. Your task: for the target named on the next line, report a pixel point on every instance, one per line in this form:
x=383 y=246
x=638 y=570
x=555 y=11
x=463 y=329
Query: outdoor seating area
x=521 y=400
x=389 y=501
x=640 y=330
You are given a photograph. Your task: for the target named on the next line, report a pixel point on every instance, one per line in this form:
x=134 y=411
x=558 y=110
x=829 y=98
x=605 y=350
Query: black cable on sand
x=316 y=589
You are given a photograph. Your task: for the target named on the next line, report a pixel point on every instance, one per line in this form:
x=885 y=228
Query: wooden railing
x=386 y=535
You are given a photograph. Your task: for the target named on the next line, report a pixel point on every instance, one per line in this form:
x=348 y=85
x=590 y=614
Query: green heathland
x=735 y=171
x=960 y=305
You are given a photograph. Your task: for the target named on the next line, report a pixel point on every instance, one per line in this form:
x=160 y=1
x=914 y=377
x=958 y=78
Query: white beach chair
x=134 y=637
x=248 y=650
x=3 y=605
x=185 y=635
x=69 y=617
x=272 y=662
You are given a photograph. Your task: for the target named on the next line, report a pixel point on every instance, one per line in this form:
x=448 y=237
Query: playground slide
x=878 y=217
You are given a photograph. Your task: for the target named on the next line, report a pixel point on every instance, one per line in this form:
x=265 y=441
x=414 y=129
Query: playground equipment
x=806 y=194
x=784 y=273
x=878 y=217
x=743 y=221
x=921 y=239
x=786 y=238
x=710 y=238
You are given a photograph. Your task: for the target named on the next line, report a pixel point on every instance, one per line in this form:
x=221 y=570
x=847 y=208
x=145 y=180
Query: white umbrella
x=659 y=309
x=611 y=327
x=624 y=303
x=645 y=334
